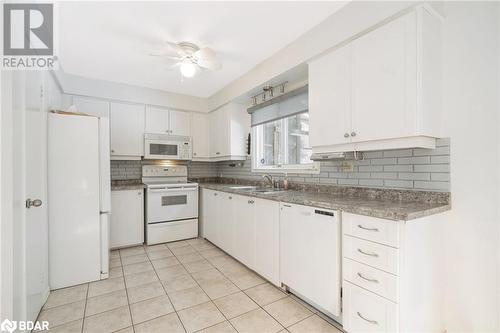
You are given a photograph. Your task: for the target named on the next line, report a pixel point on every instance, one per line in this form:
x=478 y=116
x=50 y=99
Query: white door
x=384 y=77
x=200 y=135
x=225 y=209
x=244 y=230
x=36 y=259
x=267 y=237
x=29 y=181
x=330 y=98
x=180 y=123
x=127 y=129
x=156 y=120
x=127 y=218
x=208 y=214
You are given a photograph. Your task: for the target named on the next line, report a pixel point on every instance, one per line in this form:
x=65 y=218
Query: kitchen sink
x=244 y=188
x=267 y=190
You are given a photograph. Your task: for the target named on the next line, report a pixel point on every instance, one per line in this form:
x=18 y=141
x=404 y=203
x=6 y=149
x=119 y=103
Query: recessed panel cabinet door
x=384 y=81
x=244 y=230
x=127 y=129
x=226 y=220
x=267 y=236
x=200 y=135
x=330 y=98
x=127 y=218
x=180 y=123
x=157 y=120
x=209 y=215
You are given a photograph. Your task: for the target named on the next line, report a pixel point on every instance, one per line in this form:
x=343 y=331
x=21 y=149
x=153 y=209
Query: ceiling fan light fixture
x=188 y=69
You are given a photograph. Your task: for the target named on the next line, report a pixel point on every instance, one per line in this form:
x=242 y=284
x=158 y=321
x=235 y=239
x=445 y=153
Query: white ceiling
x=112 y=40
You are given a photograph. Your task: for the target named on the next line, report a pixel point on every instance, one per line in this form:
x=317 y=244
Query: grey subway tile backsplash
x=418 y=169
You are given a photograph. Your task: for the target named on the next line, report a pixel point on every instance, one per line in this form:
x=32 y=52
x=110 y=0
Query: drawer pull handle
x=371 y=254
x=367 y=229
x=367 y=279
x=374 y=322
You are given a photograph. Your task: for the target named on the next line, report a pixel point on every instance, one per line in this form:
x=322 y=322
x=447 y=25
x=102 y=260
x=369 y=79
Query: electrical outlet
x=347 y=166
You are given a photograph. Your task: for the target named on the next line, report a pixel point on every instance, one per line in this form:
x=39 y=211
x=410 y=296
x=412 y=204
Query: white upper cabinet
x=93 y=106
x=380 y=91
x=127 y=130
x=200 y=136
x=180 y=123
x=329 y=98
x=157 y=120
x=384 y=77
x=160 y=120
x=229 y=127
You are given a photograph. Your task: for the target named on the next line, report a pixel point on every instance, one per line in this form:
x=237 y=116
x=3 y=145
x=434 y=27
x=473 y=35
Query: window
x=283 y=145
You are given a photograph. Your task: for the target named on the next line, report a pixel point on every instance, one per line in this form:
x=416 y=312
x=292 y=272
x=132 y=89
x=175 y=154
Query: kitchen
x=201 y=181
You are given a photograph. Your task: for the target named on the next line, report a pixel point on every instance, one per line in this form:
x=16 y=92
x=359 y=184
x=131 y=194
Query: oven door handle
x=163 y=189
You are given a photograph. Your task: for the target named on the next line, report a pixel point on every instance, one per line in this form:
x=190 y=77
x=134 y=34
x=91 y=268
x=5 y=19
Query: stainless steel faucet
x=269 y=178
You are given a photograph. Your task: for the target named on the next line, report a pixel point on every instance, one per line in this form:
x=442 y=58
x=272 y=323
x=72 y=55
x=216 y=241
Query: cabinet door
x=180 y=123
x=384 y=81
x=267 y=235
x=127 y=218
x=209 y=215
x=330 y=98
x=92 y=106
x=157 y=120
x=310 y=254
x=244 y=230
x=225 y=209
x=127 y=129
x=200 y=135
x=219 y=133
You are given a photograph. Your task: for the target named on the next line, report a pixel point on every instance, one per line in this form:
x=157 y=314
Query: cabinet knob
x=112 y=150
x=251 y=201
x=215 y=194
x=230 y=198
x=194 y=154
x=217 y=153
x=346 y=135
x=353 y=133
x=139 y=193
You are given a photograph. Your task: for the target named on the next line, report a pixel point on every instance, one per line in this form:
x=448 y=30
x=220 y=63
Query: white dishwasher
x=310 y=255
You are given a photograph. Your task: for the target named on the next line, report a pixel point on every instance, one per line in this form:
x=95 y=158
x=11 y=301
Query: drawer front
x=371 y=228
x=376 y=255
x=366 y=312
x=381 y=283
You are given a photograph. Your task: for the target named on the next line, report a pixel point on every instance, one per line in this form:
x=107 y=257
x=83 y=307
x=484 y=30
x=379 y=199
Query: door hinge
x=41 y=91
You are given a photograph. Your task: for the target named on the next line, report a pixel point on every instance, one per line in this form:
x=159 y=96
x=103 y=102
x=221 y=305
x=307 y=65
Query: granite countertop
x=129 y=184
x=385 y=207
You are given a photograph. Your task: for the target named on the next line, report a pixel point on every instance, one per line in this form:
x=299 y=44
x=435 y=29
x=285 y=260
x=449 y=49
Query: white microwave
x=167 y=147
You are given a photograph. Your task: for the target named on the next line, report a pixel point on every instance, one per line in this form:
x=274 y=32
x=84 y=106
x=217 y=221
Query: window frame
x=257 y=144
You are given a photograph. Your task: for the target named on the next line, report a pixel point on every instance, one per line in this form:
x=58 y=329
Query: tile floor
x=187 y=286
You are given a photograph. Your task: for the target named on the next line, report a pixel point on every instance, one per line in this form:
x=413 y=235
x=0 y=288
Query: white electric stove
x=171 y=204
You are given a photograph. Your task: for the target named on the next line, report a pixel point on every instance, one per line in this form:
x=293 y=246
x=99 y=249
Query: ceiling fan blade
x=207 y=58
x=212 y=64
x=176 y=48
x=166 y=55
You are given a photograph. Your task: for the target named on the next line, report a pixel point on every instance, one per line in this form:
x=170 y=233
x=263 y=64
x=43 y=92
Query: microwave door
x=163 y=150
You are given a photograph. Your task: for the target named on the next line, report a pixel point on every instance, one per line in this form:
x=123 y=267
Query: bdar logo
x=8 y=326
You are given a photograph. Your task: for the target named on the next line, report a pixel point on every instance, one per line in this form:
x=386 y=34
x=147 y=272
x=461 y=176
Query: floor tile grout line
x=85 y=307
x=165 y=290
x=126 y=293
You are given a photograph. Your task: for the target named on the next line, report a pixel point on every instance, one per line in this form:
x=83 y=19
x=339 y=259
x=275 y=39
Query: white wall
x=77 y=85
x=470 y=78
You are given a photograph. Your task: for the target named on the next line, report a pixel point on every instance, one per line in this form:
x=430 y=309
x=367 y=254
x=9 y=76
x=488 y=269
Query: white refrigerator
x=79 y=198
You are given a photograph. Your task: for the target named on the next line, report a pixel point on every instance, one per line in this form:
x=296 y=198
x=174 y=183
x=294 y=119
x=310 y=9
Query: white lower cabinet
x=267 y=239
x=246 y=228
x=392 y=274
x=127 y=218
x=310 y=255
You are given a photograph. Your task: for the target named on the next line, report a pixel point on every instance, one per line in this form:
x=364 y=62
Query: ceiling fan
x=190 y=58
